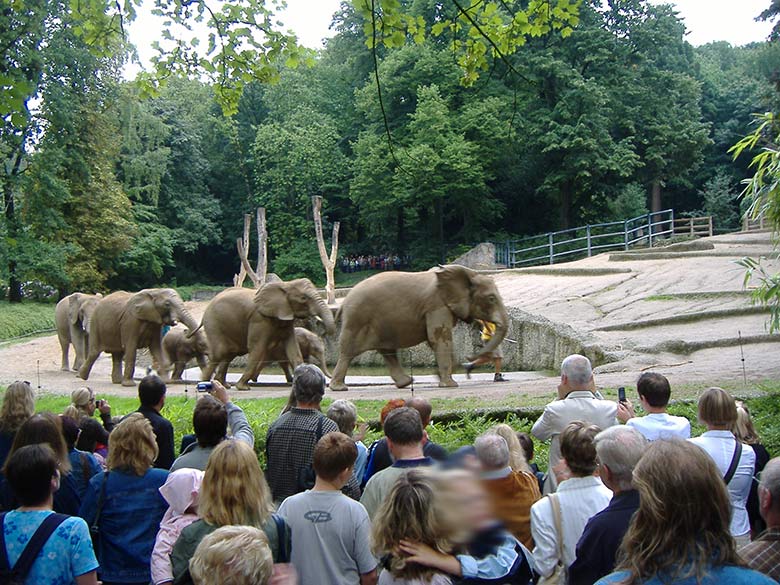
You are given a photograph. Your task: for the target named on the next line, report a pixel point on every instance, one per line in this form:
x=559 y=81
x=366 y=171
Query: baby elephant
x=180 y=349
x=312 y=352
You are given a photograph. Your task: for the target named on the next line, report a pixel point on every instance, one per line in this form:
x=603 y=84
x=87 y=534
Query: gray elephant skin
x=396 y=310
x=312 y=352
x=258 y=323
x=125 y=322
x=72 y=316
x=180 y=346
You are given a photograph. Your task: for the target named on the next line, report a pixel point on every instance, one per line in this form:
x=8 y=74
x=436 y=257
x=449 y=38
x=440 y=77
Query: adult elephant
x=124 y=322
x=72 y=316
x=242 y=321
x=395 y=310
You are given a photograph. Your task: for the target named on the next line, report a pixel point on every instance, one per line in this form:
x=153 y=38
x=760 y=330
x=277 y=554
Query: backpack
x=19 y=572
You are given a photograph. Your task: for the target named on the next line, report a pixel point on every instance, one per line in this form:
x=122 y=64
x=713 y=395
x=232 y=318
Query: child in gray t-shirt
x=330 y=531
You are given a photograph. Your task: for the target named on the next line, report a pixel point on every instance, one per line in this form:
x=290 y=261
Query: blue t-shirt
x=715 y=576
x=66 y=555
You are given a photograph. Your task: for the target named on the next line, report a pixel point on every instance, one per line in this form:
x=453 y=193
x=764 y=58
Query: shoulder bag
x=734 y=462
x=20 y=570
x=557 y=577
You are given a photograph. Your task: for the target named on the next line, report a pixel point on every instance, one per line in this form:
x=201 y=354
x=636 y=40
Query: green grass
x=350 y=279
x=27 y=318
x=459 y=430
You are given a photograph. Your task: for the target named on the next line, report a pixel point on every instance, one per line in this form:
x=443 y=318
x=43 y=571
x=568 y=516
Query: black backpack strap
x=734 y=462
x=281 y=534
x=34 y=546
x=319 y=427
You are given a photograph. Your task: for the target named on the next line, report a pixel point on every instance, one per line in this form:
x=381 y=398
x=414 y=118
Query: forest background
x=620 y=115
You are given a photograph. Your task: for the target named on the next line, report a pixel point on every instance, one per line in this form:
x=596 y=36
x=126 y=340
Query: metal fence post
x=649 y=230
x=625 y=235
x=587 y=230
x=551 y=239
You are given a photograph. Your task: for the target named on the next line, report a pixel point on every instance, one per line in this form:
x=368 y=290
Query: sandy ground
x=588 y=302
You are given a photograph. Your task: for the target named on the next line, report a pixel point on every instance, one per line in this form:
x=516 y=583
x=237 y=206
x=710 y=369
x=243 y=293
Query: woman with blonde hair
x=233 y=555
x=680 y=534
x=411 y=512
x=517 y=459
x=83 y=405
x=125 y=503
x=744 y=431
x=736 y=461
x=18 y=406
x=233 y=492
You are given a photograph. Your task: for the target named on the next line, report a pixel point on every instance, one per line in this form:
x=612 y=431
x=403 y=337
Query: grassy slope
x=461 y=431
x=17 y=319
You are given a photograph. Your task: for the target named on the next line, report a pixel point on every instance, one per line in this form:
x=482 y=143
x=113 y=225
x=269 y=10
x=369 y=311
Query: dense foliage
x=491 y=123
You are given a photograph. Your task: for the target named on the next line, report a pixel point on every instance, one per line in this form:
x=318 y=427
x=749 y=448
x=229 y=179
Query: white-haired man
x=619 y=449
x=576 y=401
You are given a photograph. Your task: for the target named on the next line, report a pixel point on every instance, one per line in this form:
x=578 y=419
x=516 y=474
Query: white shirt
x=660 y=425
x=580 y=498
x=720 y=446
x=578 y=405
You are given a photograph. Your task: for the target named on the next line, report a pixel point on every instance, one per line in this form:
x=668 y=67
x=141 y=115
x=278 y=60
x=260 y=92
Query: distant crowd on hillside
x=629 y=497
x=358 y=263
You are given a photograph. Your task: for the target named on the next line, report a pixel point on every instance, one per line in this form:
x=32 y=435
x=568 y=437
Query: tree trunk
x=12 y=228
x=401 y=233
x=329 y=263
x=564 y=211
x=655 y=196
x=257 y=275
x=261 y=267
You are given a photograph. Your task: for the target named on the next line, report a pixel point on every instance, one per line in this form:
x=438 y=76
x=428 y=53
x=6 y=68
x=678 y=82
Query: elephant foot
x=67 y=369
x=242 y=387
x=85 y=376
x=128 y=383
x=448 y=383
x=404 y=382
x=338 y=387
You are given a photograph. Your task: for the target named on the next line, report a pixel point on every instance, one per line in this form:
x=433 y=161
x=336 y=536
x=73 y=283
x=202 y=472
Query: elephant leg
x=129 y=370
x=440 y=339
x=163 y=367
x=202 y=364
x=401 y=378
x=116 y=368
x=255 y=358
x=287 y=373
x=337 y=383
x=178 y=370
x=86 y=367
x=80 y=347
x=222 y=371
x=65 y=346
x=320 y=357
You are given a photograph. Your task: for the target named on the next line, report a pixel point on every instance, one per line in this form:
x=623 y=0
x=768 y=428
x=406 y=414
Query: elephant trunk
x=322 y=310
x=501 y=321
x=188 y=320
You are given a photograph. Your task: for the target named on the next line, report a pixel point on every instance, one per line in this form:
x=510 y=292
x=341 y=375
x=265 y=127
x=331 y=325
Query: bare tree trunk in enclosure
x=257 y=275
x=12 y=227
x=655 y=196
x=329 y=263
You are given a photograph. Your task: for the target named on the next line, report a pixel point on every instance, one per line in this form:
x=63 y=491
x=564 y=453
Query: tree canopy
x=425 y=126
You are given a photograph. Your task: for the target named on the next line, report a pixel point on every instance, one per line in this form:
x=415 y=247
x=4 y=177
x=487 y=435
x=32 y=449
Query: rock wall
x=480 y=257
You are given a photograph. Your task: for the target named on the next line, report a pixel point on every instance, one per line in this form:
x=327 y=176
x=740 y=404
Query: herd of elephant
x=385 y=313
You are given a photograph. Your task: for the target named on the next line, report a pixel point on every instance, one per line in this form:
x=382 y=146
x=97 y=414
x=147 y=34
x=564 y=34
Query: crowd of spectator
x=639 y=502
x=362 y=262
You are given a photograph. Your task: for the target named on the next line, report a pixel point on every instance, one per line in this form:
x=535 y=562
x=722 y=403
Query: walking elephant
x=72 y=317
x=312 y=348
x=240 y=321
x=180 y=346
x=396 y=310
x=124 y=322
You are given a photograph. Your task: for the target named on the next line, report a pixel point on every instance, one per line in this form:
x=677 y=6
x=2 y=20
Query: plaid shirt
x=763 y=554
x=289 y=448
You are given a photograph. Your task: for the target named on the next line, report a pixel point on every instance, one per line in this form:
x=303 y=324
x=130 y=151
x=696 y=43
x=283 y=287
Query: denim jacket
x=129 y=521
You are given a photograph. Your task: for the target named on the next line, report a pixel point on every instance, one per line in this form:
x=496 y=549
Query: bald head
x=422 y=406
x=577 y=372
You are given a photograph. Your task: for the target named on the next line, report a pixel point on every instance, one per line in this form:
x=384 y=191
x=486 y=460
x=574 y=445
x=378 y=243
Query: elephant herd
x=385 y=313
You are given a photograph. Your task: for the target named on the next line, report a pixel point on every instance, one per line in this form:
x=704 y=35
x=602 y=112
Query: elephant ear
x=454 y=284
x=141 y=306
x=271 y=301
x=74 y=306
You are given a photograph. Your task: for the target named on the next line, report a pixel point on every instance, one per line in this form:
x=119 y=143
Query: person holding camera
x=212 y=416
